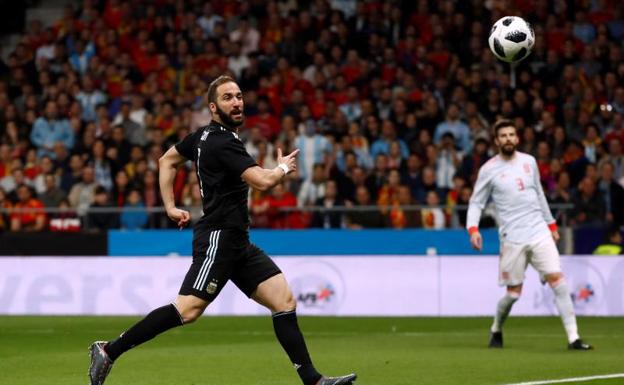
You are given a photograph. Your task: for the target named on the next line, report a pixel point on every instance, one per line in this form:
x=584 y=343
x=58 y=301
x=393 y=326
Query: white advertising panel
x=328 y=285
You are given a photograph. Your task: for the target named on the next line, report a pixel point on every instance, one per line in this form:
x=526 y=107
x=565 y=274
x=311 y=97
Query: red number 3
x=520 y=184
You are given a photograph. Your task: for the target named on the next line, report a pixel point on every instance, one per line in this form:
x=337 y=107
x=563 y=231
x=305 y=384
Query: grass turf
x=244 y=351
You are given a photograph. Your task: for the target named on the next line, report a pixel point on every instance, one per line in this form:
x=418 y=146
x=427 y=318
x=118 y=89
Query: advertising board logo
x=584 y=294
x=318 y=287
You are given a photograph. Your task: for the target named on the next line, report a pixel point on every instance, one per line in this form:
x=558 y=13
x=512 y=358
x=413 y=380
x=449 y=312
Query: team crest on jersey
x=527 y=168
x=212 y=287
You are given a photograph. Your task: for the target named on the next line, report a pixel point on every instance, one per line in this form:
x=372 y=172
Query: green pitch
x=244 y=351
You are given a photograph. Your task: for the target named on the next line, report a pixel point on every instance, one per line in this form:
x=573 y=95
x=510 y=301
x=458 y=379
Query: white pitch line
x=573 y=379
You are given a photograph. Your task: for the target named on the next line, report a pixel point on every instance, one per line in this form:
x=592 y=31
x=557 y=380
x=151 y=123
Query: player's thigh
x=214 y=255
x=545 y=257
x=512 y=264
x=254 y=269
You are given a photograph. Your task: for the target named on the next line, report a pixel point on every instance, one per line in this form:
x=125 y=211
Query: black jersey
x=220 y=158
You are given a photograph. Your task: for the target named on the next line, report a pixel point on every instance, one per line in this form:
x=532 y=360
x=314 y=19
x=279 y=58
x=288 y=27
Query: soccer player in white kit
x=527 y=230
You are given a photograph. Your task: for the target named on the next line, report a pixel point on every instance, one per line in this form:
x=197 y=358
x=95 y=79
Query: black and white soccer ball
x=511 y=39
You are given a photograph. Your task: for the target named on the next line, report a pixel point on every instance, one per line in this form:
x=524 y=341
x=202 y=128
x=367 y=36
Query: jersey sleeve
x=478 y=200
x=186 y=147
x=234 y=157
x=541 y=197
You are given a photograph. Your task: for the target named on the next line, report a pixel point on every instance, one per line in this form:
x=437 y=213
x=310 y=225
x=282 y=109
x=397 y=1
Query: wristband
x=472 y=230
x=284 y=168
x=553 y=226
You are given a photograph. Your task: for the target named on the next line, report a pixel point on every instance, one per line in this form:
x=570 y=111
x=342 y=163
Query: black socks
x=291 y=339
x=156 y=322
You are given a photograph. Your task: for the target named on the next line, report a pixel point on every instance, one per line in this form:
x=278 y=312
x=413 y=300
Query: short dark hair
x=502 y=123
x=211 y=95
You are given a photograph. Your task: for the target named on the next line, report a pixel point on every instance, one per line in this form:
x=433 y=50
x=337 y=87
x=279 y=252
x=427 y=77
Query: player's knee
x=554 y=279
x=514 y=292
x=291 y=302
x=287 y=303
x=191 y=314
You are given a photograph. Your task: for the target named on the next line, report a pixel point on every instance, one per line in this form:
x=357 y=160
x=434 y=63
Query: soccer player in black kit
x=221 y=247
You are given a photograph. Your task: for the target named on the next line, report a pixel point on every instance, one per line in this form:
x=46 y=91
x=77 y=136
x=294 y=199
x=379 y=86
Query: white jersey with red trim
x=514 y=185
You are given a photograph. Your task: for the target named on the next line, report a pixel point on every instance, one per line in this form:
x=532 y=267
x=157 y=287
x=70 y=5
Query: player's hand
x=476 y=241
x=555 y=235
x=289 y=160
x=181 y=217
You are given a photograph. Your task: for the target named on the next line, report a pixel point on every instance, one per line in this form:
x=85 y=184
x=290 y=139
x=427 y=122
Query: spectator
x=589 y=208
x=328 y=219
x=388 y=193
x=46 y=166
x=447 y=162
x=452 y=124
x=134 y=217
x=247 y=36
x=73 y=174
x=363 y=216
x=461 y=212
x=80 y=54
x=410 y=176
x=313 y=149
x=592 y=143
x=279 y=200
x=401 y=217
x=33 y=218
x=82 y=193
x=89 y=99
x=612 y=195
x=616 y=158
x=102 y=220
x=612 y=244
x=102 y=165
x=433 y=216
x=208 y=20
x=312 y=189
x=265 y=120
x=5 y=204
x=52 y=195
x=471 y=163
x=428 y=183
x=133 y=130
x=388 y=135
x=151 y=197
x=49 y=129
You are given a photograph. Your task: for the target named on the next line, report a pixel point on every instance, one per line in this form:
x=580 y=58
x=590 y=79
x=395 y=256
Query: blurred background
x=389 y=102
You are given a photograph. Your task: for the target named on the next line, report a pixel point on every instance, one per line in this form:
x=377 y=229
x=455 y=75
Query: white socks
x=502 y=310
x=564 y=304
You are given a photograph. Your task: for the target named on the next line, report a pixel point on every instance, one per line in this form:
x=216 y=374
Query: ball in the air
x=511 y=39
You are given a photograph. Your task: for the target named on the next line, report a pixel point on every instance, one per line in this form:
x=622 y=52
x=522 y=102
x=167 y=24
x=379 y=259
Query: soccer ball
x=511 y=39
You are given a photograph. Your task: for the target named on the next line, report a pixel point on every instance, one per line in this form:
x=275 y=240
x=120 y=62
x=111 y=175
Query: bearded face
x=507 y=140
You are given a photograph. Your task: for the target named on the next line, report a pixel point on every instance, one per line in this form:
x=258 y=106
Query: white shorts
x=514 y=258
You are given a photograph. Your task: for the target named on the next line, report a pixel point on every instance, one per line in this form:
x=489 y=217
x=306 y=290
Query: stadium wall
x=362 y=285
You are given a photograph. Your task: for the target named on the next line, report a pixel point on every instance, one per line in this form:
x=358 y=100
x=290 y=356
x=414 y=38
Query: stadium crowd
x=389 y=102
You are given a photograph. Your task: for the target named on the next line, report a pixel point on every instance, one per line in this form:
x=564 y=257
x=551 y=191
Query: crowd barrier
x=323 y=285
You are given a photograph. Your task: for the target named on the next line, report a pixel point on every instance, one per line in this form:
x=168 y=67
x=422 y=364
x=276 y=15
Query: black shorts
x=221 y=255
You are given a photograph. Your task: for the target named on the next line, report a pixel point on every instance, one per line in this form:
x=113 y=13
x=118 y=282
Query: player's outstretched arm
x=168 y=167
x=264 y=179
